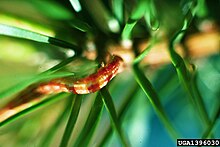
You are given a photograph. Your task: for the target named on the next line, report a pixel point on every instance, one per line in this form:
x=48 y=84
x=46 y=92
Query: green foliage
x=113 y=114
x=133 y=109
x=72 y=120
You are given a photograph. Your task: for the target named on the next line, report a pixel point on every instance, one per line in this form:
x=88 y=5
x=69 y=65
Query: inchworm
x=89 y=84
x=85 y=85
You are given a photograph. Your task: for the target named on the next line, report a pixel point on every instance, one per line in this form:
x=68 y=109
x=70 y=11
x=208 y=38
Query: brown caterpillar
x=92 y=83
x=89 y=84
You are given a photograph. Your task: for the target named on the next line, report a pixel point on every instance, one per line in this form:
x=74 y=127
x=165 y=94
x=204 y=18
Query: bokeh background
x=101 y=21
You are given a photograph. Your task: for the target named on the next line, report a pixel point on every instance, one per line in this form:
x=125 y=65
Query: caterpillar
x=89 y=84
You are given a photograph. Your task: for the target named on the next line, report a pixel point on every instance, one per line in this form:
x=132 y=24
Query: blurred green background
x=102 y=22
